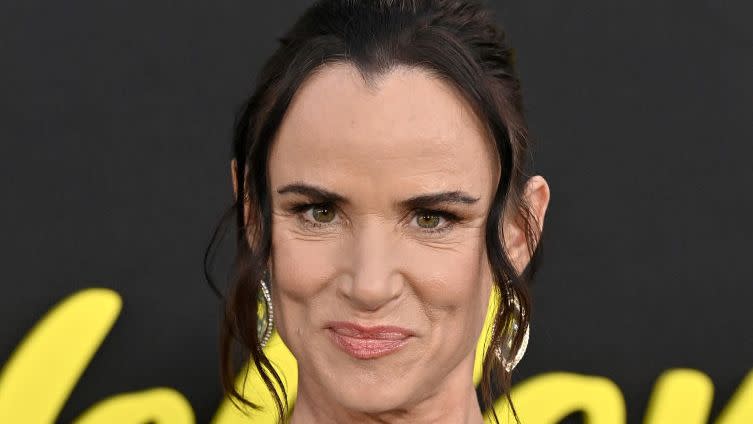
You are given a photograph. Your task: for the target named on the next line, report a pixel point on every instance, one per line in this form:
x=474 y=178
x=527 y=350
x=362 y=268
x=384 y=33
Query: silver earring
x=503 y=351
x=265 y=319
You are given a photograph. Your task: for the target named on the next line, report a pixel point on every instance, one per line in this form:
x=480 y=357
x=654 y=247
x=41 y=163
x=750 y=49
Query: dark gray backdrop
x=115 y=133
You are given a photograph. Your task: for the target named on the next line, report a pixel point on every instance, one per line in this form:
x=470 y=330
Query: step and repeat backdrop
x=115 y=146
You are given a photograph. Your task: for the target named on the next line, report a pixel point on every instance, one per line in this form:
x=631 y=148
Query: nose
x=374 y=279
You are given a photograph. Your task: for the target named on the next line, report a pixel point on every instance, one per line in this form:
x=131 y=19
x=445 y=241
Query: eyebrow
x=319 y=194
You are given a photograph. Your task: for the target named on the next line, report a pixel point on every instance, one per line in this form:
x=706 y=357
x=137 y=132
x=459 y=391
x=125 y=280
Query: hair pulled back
x=455 y=40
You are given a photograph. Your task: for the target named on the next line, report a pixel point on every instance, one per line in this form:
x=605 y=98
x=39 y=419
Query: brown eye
x=428 y=220
x=323 y=214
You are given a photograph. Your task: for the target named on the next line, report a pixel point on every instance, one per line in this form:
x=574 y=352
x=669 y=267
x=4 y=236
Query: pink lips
x=368 y=342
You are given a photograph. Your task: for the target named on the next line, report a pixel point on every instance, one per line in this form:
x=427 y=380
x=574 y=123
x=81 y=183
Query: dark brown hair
x=457 y=41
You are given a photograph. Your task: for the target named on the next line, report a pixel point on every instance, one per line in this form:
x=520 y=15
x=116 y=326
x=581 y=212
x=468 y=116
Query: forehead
x=408 y=131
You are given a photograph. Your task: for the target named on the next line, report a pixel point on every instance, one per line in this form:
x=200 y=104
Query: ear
x=233 y=176
x=536 y=193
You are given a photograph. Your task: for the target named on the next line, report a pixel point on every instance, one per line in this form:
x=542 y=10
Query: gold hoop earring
x=503 y=351
x=265 y=317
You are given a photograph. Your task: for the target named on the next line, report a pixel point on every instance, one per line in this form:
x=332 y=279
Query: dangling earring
x=265 y=317
x=503 y=350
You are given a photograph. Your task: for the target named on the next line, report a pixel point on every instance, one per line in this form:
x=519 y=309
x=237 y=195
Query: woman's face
x=379 y=200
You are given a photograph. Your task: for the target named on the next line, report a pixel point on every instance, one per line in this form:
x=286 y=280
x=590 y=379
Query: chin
x=372 y=398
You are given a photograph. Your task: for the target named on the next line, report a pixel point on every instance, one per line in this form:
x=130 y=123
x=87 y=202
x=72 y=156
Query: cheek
x=454 y=291
x=301 y=271
x=448 y=280
x=300 y=267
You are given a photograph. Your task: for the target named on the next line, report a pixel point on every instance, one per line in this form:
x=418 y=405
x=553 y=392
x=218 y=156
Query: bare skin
x=371 y=260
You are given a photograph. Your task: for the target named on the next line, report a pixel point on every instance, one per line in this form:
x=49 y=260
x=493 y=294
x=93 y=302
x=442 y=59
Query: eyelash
x=451 y=218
